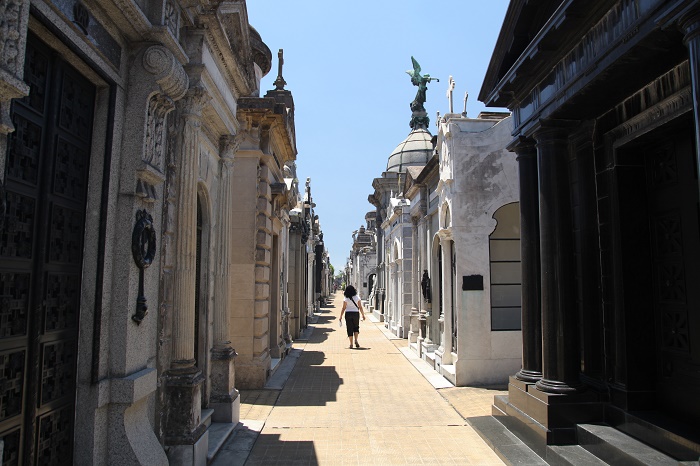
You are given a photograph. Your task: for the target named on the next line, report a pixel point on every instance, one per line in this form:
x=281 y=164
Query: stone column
x=690 y=26
x=414 y=332
x=560 y=365
x=446 y=315
x=184 y=428
x=224 y=398
x=287 y=256
x=531 y=313
x=311 y=266
x=425 y=260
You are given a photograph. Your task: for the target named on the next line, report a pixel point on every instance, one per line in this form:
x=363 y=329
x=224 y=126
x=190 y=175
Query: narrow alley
x=366 y=406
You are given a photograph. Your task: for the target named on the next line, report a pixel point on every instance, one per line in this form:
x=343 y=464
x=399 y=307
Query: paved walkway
x=366 y=406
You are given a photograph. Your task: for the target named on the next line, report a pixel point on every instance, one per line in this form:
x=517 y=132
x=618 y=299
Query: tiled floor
x=367 y=406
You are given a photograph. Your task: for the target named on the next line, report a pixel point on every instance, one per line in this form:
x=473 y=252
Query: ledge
x=130 y=389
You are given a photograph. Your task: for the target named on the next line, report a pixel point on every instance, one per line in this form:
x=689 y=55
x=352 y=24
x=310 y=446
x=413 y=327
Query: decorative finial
x=450 y=88
x=466 y=96
x=419 y=118
x=280 y=82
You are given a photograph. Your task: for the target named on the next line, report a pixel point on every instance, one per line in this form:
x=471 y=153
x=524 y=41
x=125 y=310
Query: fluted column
x=184 y=431
x=531 y=314
x=222 y=273
x=187 y=169
x=560 y=366
x=224 y=398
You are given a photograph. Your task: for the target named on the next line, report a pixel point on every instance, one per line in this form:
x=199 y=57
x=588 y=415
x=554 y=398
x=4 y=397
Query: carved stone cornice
x=136 y=19
x=264 y=119
x=538 y=80
x=228 y=36
x=668 y=109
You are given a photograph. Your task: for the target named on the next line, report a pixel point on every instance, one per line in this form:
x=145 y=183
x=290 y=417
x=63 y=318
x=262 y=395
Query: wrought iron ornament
x=143 y=248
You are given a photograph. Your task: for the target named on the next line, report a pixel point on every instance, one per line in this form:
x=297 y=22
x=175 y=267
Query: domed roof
x=415 y=150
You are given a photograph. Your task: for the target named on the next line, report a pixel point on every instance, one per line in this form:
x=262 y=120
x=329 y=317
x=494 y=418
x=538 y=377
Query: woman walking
x=352 y=308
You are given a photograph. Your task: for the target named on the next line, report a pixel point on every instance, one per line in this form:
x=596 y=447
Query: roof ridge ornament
x=419 y=118
x=280 y=82
x=450 y=89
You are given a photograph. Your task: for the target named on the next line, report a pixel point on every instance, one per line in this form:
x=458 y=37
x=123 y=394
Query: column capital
x=445 y=234
x=686 y=16
x=523 y=147
x=689 y=24
x=194 y=101
x=228 y=146
x=553 y=130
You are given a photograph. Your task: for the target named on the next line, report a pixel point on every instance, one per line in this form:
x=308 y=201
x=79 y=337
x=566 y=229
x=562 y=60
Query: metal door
x=672 y=188
x=41 y=252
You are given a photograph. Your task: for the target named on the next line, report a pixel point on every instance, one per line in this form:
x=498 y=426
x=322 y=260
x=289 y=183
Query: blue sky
x=345 y=64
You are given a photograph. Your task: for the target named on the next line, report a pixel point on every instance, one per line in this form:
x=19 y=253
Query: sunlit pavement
x=366 y=406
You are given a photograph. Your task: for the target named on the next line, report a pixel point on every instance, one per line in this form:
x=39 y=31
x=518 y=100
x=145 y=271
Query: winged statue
x=422 y=83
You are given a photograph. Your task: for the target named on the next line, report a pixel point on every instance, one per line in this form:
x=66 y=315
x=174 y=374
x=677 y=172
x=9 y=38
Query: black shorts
x=352 y=322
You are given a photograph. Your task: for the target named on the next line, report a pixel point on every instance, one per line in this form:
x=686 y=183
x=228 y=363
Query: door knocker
x=143 y=248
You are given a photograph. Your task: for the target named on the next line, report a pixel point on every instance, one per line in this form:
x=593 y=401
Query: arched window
x=504 y=253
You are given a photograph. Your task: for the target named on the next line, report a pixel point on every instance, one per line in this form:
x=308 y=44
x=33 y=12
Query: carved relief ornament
x=158 y=107
x=169 y=73
x=12 y=43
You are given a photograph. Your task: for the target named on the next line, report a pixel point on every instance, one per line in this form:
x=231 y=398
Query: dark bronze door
x=41 y=252
x=672 y=188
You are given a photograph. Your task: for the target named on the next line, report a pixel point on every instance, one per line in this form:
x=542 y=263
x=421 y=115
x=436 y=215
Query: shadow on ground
x=320 y=334
x=269 y=449
x=311 y=383
x=325 y=318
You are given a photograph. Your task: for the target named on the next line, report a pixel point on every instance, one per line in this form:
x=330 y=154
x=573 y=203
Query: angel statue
x=422 y=83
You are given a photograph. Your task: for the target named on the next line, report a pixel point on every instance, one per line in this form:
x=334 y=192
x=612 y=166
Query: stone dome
x=415 y=150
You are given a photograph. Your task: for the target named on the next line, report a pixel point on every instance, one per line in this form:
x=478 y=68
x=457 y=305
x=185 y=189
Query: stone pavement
x=366 y=406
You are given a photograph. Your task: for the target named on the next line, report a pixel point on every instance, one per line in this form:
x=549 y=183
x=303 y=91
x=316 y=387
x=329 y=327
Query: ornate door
x=41 y=252
x=672 y=187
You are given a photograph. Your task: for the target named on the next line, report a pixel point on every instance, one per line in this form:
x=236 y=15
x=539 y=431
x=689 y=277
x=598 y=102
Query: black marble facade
x=607 y=138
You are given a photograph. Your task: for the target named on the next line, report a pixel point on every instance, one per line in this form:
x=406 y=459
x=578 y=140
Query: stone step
x=616 y=447
x=572 y=455
x=509 y=448
x=656 y=429
x=219 y=432
x=206 y=416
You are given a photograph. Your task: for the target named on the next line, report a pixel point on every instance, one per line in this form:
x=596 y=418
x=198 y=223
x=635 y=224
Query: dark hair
x=350 y=291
